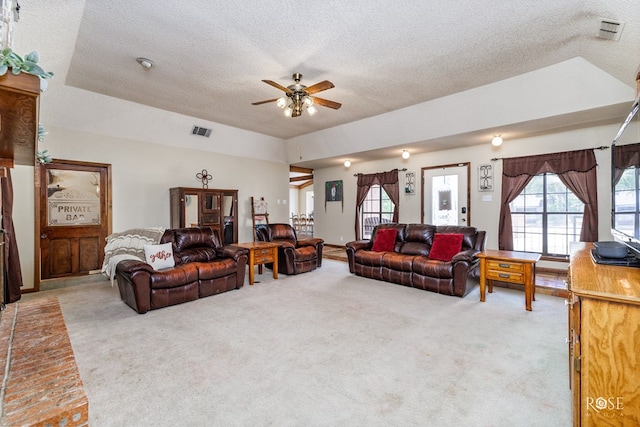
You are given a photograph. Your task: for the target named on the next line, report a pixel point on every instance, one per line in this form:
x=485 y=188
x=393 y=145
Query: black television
x=625 y=180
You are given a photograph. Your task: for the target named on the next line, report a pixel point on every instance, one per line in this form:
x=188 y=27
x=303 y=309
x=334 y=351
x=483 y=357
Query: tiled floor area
x=547 y=282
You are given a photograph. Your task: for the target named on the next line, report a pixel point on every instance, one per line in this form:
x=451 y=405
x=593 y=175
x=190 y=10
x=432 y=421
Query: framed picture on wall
x=410 y=183
x=333 y=191
x=485 y=177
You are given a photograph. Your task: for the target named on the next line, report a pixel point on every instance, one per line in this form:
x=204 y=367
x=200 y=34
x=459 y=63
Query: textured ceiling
x=210 y=57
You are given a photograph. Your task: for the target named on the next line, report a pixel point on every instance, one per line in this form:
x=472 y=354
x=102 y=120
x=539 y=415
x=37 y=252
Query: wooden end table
x=260 y=253
x=511 y=267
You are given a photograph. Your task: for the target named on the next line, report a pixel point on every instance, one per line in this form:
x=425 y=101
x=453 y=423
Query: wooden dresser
x=604 y=341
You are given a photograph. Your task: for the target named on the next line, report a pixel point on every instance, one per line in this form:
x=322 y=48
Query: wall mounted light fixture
x=406 y=154
x=496 y=141
x=347 y=163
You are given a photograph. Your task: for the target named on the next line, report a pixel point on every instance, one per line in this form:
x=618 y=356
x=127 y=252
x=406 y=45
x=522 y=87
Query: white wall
x=142 y=174
x=337 y=226
x=299 y=198
x=23 y=220
x=309 y=199
x=293 y=201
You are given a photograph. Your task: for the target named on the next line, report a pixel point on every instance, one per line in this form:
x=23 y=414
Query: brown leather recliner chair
x=294 y=256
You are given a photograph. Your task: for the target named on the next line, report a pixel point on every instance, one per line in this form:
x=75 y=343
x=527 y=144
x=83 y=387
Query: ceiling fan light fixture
x=298 y=97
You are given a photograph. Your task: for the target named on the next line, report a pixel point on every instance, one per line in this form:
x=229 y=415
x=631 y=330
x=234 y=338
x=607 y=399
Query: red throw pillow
x=385 y=240
x=445 y=246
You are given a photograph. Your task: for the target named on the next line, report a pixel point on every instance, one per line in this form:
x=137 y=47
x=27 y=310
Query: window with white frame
x=546 y=217
x=377 y=208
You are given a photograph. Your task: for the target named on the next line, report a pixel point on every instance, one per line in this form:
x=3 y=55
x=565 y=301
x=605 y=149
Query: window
x=546 y=217
x=376 y=208
x=627 y=200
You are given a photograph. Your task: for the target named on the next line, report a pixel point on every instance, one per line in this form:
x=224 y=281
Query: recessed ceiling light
x=146 y=63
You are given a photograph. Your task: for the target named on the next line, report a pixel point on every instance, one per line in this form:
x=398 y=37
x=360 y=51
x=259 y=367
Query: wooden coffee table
x=260 y=253
x=509 y=266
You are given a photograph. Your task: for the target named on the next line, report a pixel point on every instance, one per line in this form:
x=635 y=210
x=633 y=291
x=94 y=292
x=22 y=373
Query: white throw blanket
x=127 y=245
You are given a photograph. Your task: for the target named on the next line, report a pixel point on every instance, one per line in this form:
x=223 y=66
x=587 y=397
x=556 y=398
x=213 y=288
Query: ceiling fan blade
x=264 y=102
x=319 y=87
x=326 y=103
x=279 y=86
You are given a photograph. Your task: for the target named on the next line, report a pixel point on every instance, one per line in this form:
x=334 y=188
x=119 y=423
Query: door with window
x=74 y=219
x=445 y=195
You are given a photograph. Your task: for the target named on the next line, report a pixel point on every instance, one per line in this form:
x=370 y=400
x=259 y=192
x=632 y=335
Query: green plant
x=29 y=65
x=41 y=133
x=43 y=156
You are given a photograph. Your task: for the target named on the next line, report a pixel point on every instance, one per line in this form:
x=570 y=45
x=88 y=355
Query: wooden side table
x=509 y=266
x=261 y=253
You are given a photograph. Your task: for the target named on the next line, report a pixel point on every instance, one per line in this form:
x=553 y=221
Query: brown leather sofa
x=409 y=263
x=294 y=256
x=203 y=267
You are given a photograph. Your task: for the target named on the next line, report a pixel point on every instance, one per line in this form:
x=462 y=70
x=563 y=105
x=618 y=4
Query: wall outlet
x=341 y=238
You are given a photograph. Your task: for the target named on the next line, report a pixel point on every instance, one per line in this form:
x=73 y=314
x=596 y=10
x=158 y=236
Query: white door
x=445 y=195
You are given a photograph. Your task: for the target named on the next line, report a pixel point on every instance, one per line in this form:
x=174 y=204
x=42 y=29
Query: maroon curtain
x=625 y=156
x=576 y=169
x=512 y=186
x=11 y=255
x=583 y=185
x=579 y=161
x=364 y=184
x=388 y=181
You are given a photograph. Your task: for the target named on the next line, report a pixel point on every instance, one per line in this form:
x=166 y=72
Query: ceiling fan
x=298 y=96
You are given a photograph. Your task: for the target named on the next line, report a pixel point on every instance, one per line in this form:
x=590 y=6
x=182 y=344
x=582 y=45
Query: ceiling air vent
x=197 y=130
x=610 y=29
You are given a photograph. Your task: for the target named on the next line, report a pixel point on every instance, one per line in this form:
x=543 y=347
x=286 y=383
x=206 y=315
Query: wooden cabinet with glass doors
x=206 y=207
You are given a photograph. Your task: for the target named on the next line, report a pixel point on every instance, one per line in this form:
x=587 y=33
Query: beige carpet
x=321 y=349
